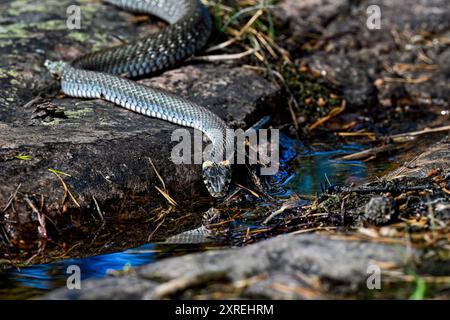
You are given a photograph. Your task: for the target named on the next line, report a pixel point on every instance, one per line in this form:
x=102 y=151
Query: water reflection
x=37 y=279
x=302 y=170
x=322 y=166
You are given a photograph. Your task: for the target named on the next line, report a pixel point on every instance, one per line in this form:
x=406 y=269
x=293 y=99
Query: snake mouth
x=217 y=177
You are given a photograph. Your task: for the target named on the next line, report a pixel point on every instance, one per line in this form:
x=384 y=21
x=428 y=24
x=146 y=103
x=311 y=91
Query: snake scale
x=99 y=75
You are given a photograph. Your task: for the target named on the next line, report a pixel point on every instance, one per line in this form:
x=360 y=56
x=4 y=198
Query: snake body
x=96 y=75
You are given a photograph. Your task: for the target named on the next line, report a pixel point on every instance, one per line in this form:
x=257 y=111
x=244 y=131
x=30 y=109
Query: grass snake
x=101 y=75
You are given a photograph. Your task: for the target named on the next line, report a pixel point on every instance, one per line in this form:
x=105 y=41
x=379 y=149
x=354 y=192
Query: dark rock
x=380 y=210
x=338 y=264
x=104 y=149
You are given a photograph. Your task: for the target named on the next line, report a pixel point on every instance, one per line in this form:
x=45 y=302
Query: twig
x=223 y=57
x=157 y=174
x=42 y=231
x=66 y=190
x=369 y=152
x=32 y=102
x=421 y=132
x=156 y=229
x=11 y=198
x=392 y=189
x=333 y=113
x=98 y=209
x=182 y=283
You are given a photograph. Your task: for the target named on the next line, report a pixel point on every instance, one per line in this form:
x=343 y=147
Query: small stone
x=379 y=210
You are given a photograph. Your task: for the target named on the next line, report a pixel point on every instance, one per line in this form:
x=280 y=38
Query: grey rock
x=353 y=57
x=380 y=210
x=105 y=149
x=310 y=15
x=348 y=75
x=286 y=262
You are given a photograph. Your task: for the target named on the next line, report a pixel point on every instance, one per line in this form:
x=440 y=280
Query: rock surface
x=305 y=266
x=103 y=149
x=400 y=64
x=286 y=267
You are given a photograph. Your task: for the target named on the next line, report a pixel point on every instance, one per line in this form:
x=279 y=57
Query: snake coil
x=96 y=75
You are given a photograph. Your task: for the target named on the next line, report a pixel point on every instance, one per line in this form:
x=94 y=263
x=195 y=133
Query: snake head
x=217 y=177
x=56 y=67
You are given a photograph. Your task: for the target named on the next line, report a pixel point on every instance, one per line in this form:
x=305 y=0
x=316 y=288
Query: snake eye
x=217 y=177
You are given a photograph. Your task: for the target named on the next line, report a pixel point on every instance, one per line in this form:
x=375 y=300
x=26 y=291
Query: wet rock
x=283 y=267
x=380 y=210
x=100 y=150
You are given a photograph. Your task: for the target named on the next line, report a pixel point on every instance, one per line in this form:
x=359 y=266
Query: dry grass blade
x=399 y=137
x=66 y=190
x=304 y=292
x=157 y=174
x=225 y=57
x=163 y=191
x=333 y=113
x=368 y=153
x=250 y=23
x=249 y=190
x=371 y=135
x=42 y=231
x=182 y=283
x=166 y=196
x=100 y=214
x=11 y=198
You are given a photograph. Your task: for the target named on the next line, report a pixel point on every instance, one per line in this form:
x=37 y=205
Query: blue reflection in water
x=52 y=275
x=321 y=166
x=302 y=170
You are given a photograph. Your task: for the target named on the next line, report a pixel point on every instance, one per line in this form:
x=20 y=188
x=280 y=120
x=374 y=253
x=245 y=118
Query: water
x=34 y=280
x=321 y=167
x=307 y=170
x=303 y=170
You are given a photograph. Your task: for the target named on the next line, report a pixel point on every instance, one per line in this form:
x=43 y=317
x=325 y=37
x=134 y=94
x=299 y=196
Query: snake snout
x=55 y=67
x=217 y=177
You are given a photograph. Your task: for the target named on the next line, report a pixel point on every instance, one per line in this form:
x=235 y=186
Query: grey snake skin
x=98 y=75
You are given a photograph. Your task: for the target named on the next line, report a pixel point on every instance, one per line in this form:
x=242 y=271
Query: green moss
x=308 y=90
x=27 y=30
x=14 y=31
x=15 y=82
x=78 y=36
x=8 y=73
x=101 y=40
x=59 y=24
x=53 y=122
x=77 y=113
x=19 y=7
